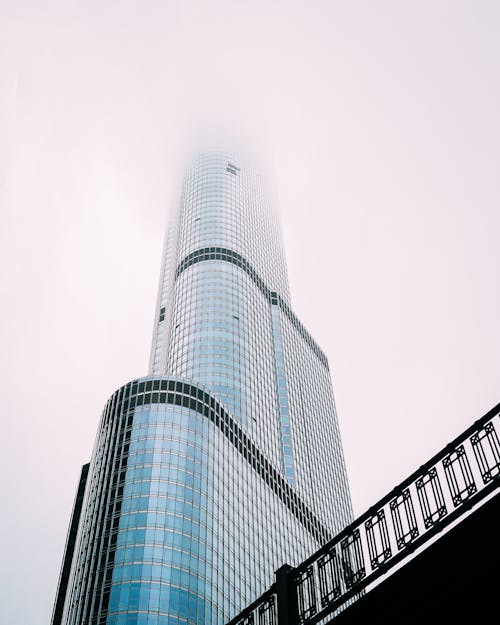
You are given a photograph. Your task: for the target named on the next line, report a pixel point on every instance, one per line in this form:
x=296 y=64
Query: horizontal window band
x=229 y=256
x=177 y=393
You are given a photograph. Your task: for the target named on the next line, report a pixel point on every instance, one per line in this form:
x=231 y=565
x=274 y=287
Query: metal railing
x=446 y=487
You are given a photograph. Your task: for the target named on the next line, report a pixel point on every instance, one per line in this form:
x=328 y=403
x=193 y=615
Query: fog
x=377 y=125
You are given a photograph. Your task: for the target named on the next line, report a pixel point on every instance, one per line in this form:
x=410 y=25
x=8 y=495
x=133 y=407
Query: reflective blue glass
x=225 y=461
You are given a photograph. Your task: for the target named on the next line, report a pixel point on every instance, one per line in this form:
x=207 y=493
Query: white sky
x=381 y=123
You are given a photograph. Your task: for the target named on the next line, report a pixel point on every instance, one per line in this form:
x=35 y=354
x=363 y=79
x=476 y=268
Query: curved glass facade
x=226 y=461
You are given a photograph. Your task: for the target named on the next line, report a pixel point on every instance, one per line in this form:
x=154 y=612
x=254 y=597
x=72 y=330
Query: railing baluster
x=431 y=499
x=329 y=576
x=267 y=612
x=353 y=562
x=461 y=484
x=406 y=529
x=487 y=451
x=378 y=539
x=306 y=594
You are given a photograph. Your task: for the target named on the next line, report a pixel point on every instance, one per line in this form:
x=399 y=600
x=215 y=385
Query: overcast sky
x=379 y=126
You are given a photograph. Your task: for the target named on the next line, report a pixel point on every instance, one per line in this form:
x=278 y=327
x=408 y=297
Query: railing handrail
x=402 y=555
x=420 y=507
x=404 y=484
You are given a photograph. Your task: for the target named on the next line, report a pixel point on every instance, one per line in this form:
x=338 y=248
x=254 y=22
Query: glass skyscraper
x=225 y=461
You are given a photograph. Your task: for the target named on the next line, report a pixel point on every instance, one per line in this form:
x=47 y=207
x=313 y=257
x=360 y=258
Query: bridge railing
x=443 y=489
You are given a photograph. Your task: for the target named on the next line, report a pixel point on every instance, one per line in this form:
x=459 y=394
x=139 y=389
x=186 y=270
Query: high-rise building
x=225 y=461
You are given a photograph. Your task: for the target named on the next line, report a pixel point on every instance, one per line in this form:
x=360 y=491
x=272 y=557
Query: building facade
x=225 y=461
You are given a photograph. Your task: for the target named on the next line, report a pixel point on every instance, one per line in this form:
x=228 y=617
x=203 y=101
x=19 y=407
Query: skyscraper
x=225 y=461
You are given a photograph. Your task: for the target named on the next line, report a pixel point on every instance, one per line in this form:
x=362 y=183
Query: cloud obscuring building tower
x=226 y=460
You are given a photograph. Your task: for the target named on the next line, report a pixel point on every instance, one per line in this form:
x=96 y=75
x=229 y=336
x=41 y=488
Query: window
x=232 y=169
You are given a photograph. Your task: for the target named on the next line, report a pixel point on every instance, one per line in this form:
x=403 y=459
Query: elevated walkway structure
x=427 y=551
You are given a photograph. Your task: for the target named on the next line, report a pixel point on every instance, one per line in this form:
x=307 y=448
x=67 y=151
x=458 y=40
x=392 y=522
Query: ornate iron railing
x=465 y=472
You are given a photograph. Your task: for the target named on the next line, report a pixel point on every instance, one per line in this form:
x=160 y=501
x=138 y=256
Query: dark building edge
x=165 y=390
x=69 y=548
x=229 y=256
